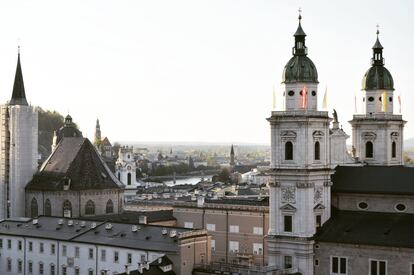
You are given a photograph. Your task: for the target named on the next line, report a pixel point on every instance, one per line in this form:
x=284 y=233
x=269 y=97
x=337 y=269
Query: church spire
x=18 y=95
x=300 y=48
x=377 y=59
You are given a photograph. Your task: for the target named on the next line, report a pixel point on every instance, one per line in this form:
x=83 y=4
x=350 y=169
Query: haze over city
x=200 y=71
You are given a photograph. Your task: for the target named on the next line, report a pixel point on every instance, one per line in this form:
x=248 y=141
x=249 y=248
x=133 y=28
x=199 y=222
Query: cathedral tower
x=377 y=135
x=300 y=170
x=98 y=138
x=18 y=157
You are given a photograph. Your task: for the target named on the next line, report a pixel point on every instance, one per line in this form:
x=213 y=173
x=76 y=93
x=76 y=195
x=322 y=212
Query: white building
x=18 y=142
x=52 y=246
x=126 y=167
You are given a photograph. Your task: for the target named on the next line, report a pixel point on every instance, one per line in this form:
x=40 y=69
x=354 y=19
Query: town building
x=73 y=182
x=53 y=245
x=18 y=142
x=126 y=166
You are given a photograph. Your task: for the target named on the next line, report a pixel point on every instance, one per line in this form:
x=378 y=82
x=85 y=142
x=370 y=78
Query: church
x=332 y=212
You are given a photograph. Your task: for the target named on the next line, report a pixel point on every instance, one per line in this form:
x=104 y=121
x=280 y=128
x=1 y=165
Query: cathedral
x=332 y=212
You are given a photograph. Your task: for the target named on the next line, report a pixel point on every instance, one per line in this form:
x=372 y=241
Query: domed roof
x=377 y=78
x=300 y=69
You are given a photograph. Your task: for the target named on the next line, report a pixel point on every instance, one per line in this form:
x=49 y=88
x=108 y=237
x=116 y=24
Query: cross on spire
x=377 y=29
x=300 y=13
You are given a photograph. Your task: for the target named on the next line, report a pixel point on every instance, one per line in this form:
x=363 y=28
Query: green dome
x=377 y=78
x=300 y=69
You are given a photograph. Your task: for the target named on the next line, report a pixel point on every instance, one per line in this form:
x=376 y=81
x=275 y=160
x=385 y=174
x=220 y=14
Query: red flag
x=399 y=102
x=304 y=97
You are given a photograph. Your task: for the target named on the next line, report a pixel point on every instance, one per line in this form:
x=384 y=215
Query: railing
x=218 y=267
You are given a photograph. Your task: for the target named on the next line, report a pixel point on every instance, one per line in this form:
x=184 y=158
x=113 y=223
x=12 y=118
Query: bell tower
x=377 y=135
x=300 y=169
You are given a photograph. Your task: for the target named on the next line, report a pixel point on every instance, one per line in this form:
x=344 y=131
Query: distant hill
x=49 y=121
x=409 y=143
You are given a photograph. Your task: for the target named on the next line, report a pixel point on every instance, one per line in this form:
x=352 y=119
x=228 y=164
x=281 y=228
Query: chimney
x=126 y=269
x=200 y=201
x=140 y=268
x=142 y=219
x=146 y=265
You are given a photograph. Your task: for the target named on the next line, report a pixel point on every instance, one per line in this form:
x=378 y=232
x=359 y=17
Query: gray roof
x=19 y=94
x=368 y=228
x=133 y=216
x=154 y=268
x=373 y=180
x=75 y=159
x=148 y=237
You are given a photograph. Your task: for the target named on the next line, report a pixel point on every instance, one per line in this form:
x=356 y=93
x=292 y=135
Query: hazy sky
x=195 y=70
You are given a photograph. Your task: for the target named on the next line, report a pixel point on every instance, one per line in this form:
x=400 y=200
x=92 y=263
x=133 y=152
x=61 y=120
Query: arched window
x=317 y=151
x=34 y=208
x=369 y=149
x=109 y=207
x=288 y=150
x=48 y=208
x=89 y=208
x=129 y=179
x=67 y=209
x=394 y=149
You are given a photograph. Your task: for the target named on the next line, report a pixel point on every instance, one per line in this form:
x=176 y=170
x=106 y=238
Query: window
x=9 y=244
x=90 y=253
x=188 y=225
x=30 y=246
x=64 y=250
x=287 y=223
x=9 y=265
x=377 y=267
x=103 y=255
x=90 y=208
x=370 y=99
x=258 y=230
x=41 y=248
x=289 y=150
x=211 y=227
x=339 y=265
x=90 y=272
x=234 y=246
x=30 y=267
x=362 y=205
x=52 y=249
x=64 y=270
x=258 y=248
x=1 y=243
x=33 y=208
x=318 y=221
x=41 y=270
x=129 y=179
x=317 y=151
x=19 y=266
x=213 y=245
x=19 y=245
x=129 y=258
x=394 y=150
x=400 y=207
x=48 y=208
x=313 y=93
x=412 y=269
x=77 y=252
x=109 y=207
x=119 y=176
x=77 y=270
x=369 y=149
x=288 y=261
x=116 y=256
x=234 y=229
x=67 y=209
x=52 y=269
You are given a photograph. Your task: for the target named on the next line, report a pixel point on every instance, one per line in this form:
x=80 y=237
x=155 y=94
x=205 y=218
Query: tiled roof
x=76 y=160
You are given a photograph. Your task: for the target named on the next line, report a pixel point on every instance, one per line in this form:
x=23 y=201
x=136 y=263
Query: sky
x=195 y=70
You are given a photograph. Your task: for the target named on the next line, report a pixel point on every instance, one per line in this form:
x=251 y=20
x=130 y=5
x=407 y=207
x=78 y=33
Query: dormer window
x=289 y=150
x=66 y=183
x=369 y=149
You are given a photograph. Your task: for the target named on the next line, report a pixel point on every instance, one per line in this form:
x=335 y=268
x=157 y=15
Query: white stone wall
x=294 y=102
x=376 y=106
x=4 y=158
x=23 y=127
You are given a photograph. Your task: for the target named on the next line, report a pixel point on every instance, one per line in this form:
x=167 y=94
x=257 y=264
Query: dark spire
x=232 y=156
x=18 y=95
x=377 y=59
x=300 y=47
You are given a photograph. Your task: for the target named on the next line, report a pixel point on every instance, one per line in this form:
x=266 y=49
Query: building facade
x=19 y=155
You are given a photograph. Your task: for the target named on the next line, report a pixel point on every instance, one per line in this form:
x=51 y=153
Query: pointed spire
x=300 y=48
x=377 y=58
x=18 y=95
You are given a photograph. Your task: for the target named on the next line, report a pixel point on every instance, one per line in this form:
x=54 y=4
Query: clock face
x=129 y=167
